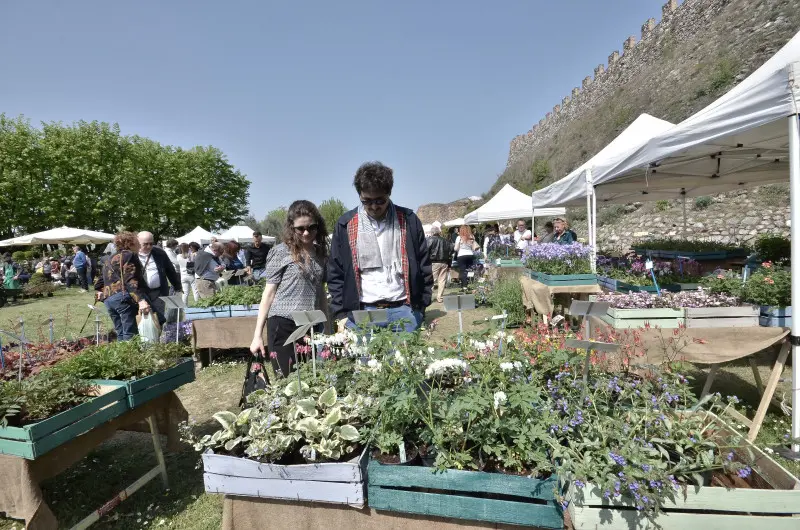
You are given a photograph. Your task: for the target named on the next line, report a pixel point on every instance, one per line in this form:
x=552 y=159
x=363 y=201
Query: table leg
x=756 y=375
x=712 y=373
x=769 y=391
x=151 y=420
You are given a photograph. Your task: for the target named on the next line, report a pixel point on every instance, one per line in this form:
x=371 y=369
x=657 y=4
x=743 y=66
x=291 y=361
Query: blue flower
x=745 y=472
x=617 y=458
x=729 y=457
x=646 y=468
x=579 y=484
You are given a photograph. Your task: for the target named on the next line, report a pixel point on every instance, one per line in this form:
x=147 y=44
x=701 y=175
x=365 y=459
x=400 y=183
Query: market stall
x=198 y=235
x=509 y=203
x=59 y=236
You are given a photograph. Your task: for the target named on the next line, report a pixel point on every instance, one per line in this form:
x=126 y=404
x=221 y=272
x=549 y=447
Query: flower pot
x=428 y=458
x=412 y=457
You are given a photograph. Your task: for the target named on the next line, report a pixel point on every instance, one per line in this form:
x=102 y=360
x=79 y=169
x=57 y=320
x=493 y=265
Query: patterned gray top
x=297 y=290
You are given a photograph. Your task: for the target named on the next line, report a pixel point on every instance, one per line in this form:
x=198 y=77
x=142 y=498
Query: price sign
x=471 y=274
x=648 y=264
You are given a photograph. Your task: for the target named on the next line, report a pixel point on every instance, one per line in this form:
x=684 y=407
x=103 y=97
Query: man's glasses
x=374 y=202
x=303 y=229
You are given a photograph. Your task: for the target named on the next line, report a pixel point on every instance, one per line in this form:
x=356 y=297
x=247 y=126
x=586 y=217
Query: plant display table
x=622 y=287
x=776 y=506
x=780 y=317
x=20 y=493
x=337 y=483
x=697 y=256
x=225 y=311
x=559 y=280
x=722 y=317
x=222 y=333
x=636 y=318
x=539 y=297
x=242 y=513
x=472 y=495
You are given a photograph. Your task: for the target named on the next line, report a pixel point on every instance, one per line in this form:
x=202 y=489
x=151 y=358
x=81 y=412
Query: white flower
x=430 y=349
x=399 y=357
x=510 y=338
x=508 y=366
x=768 y=450
x=442 y=365
x=499 y=399
x=374 y=365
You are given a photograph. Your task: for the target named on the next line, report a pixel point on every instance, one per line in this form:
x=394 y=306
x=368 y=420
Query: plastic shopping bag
x=149 y=328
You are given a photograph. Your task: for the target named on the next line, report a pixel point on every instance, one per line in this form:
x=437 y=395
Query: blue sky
x=299 y=94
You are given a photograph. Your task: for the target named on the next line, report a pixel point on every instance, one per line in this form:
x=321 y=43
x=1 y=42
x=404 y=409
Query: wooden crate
x=554 y=280
x=471 y=495
x=697 y=256
x=152 y=386
x=623 y=287
x=636 y=318
x=722 y=317
x=775 y=317
x=244 y=310
x=706 y=507
x=201 y=313
x=36 y=439
x=337 y=483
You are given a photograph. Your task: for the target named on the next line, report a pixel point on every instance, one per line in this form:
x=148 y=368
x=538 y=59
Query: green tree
x=331 y=210
x=274 y=222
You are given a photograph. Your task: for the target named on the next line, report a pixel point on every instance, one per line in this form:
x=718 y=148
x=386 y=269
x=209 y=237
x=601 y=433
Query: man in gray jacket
x=207 y=267
x=441 y=254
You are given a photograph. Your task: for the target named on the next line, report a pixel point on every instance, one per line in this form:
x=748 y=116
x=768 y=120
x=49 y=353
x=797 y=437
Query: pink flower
x=273 y=355
x=767 y=264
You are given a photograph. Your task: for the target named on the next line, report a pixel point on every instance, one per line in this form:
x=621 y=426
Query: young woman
x=465 y=248
x=294 y=273
x=232 y=262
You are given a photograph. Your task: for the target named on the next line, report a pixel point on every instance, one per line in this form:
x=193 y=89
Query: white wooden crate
x=722 y=317
x=337 y=483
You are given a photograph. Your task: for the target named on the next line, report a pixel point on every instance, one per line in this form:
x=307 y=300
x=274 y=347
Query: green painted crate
x=636 y=318
x=36 y=439
x=471 y=495
x=554 y=280
x=144 y=389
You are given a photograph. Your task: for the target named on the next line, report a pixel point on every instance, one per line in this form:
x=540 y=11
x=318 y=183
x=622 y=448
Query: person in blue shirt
x=562 y=235
x=79 y=261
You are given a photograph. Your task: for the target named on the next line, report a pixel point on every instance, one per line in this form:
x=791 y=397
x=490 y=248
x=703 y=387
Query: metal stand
x=160 y=469
x=369 y=318
x=459 y=303
x=175 y=302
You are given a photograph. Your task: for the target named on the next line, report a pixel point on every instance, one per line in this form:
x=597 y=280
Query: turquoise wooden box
x=36 y=439
x=623 y=287
x=471 y=495
x=202 y=313
x=144 y=389
x=554 y=280
x=775 y=317
x=244 y=310
x=697 y=256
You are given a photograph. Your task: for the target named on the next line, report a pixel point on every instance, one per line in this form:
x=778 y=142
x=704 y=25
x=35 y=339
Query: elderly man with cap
x=158 y=271
x=562 y=234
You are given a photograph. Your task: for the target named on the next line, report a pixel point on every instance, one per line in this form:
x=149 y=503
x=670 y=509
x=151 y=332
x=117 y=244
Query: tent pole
x=594 y=225
x=683 y=193
x=589 y=224
x=794 y=336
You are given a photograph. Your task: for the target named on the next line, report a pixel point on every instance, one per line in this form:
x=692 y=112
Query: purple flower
x=617 y=458
x=579 y=484
x=745 y=472
x=729 y=457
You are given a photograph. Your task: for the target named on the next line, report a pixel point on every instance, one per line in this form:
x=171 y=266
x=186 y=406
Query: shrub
x=774 y=248
x=726 y=282
x=610 y=214
x=773 y=194
x=662 y=206
x=18 y=256
x=701 y=203
x=723 y=74
x=507 y=296
x=769 y=286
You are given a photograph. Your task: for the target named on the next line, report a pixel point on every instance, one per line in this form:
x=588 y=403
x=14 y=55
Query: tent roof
x=508 y=203
x=241 y=234
x=738 y=140
x=62 y=235
x=571 y=190
x=198 y=235
x=454 y=222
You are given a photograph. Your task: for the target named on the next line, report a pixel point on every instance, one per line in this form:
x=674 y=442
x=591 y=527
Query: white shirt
x=463 y=249
x=519 y=237
x=173 y=258
x=374 y=284
x=150 y=270
x=182 y=266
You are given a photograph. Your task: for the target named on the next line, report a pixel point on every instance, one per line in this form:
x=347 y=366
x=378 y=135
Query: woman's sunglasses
x=303 y=229
x=375 y=202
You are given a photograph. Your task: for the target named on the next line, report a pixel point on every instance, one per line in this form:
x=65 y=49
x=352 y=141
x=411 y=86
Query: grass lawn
x=119 y=461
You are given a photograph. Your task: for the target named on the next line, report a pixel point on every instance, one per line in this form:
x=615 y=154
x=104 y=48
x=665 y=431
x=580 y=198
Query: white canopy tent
x=58 y=236
x=198 y=235
x=576 y=187
x=508 y=203
x=242 y=234
x=748 y=137
x=454 y=222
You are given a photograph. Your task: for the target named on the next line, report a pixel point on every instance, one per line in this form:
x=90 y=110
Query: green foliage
x=234 y=295
x=331 y=210
x=703 y=202
x=90 y=175
x=770 y=285
x=274 y=222
x=40 y=396
x=662 y=206
x=38 y=285
x=727 y=282
x=121 y=360
x=686 y=245
x=576 y=214
x=723 y=74
x=774 y=248
x=506 y=295
x=773 y=194
x=610 y=214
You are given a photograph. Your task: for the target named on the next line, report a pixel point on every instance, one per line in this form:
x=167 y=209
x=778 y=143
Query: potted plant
x=555 y=264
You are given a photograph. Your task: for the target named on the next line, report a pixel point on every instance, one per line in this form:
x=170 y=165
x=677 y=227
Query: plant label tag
x=471 y=274
x=481 y=280
x=648 y=264
x=402 y=447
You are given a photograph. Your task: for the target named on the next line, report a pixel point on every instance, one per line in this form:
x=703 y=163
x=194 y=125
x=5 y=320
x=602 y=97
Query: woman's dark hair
x=374 y=176
x=194 y=246
x=172 y=244
x=126 y=241
x=184 y=249
x=231 y=248
x=292 y=239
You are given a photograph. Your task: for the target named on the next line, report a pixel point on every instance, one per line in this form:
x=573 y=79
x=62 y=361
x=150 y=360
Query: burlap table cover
x=246 y=513
x=222 y=333
x=539 y=297
x=703 y=345
x=20 y=479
